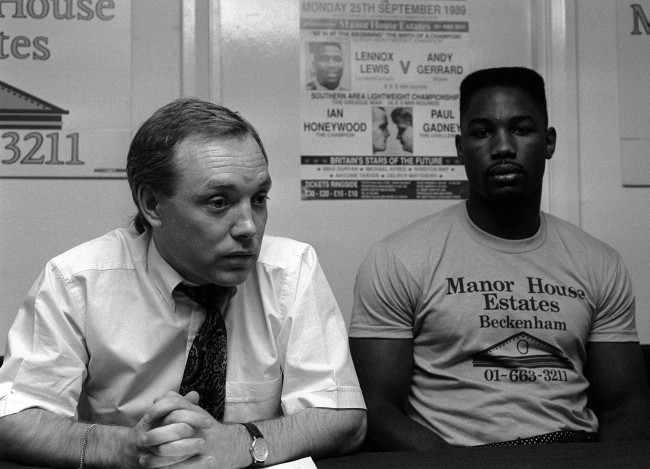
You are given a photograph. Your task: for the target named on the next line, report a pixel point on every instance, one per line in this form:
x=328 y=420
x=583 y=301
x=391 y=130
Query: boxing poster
x=379 y=98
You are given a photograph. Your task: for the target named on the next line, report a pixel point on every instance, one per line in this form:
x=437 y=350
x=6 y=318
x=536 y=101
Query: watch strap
x=253 y=430
x=258 y=439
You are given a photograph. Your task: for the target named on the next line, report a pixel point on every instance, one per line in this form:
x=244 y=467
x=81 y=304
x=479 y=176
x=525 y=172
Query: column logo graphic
x=522 y=350
x=20 y=110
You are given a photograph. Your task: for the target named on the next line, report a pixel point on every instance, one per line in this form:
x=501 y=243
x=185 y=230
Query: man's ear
x=149 y=205
x=459 y=149
x=551 y=138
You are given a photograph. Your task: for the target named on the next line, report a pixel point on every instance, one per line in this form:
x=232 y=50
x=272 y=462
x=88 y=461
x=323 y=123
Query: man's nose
x=244 y=224
x=503 y=144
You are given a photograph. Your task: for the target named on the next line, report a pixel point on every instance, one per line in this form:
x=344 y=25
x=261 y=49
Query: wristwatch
x=259 y=448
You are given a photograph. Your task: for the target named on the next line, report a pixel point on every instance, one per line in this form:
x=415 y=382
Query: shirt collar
x=164 y=276
x=512 y=246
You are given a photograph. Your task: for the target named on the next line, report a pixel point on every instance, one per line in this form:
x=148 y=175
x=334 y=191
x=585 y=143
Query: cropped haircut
x=319 y=45
x=402 y=114
x=151 y=157
x=516 y=77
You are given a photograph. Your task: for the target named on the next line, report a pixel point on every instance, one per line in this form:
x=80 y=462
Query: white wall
x=618 y=215
x=260 y=78
x=42 y=218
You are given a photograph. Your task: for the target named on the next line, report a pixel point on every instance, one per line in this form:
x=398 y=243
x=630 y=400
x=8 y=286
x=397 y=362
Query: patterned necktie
x=205 y=370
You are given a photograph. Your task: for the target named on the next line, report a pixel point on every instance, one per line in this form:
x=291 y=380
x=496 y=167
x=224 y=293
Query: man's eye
x=260 y=200
x=220 y=203
x=480 y=133
x=522 y=130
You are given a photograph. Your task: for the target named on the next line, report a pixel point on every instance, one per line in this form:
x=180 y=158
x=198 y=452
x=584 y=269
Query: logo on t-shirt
x=522 y=350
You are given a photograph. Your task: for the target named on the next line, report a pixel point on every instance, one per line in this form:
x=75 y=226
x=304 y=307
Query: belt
x=563 y=436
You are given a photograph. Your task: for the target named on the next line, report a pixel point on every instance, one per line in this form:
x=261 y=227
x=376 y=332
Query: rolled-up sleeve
x=313 y=345
x=45 y=362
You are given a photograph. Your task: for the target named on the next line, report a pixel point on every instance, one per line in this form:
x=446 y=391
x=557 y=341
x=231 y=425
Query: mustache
x=509 y=163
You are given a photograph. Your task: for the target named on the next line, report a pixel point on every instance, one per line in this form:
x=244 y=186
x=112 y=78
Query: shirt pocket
x=248 y=401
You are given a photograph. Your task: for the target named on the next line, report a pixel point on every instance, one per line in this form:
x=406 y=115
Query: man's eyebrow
x=213 y=185
x=522 y=118
x=479 y=121
x=487 y=120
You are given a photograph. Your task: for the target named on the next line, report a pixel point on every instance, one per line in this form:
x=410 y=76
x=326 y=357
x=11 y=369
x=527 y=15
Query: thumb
x=192 y=397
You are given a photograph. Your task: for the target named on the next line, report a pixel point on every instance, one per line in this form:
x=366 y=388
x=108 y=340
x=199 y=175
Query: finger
x=146 y=423
x=195 y=462
x=166 y=434
x=193 y=397
x=153 y=461
x=201 y=410
x=168 y=404
x=177 y=449
x=168 y=394
x=194 y=418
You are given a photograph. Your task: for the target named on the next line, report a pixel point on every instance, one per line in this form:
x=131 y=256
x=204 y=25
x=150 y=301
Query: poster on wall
x=379 y=104
x=633 y=24
x=65 y=88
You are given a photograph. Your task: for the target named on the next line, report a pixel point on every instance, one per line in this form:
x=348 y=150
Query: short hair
x=402 y=114
x=517 y=77
x=151 y=157
x=319 y=45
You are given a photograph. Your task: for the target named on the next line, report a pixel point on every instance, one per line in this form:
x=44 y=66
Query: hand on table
x=172 y=433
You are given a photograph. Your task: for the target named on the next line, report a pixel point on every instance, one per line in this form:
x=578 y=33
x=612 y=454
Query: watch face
x=260 y=450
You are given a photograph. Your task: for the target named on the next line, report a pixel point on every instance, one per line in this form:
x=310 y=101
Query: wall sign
x=633 y=23
x=65 y=96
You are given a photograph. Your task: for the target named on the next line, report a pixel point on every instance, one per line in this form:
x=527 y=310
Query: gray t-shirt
x=499 y=327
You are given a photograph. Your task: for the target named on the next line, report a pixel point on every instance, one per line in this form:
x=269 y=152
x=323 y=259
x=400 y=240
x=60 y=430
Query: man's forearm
x=39 y=437
x=314 y=432
x=392 y=430
x=627 y=422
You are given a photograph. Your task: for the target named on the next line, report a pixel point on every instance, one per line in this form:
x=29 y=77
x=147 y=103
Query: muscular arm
x=619 y=390
x=385 y=369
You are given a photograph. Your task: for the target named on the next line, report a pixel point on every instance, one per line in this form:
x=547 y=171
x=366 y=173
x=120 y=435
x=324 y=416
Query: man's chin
x=509 y=198
x=331 y=85
x=231 y=279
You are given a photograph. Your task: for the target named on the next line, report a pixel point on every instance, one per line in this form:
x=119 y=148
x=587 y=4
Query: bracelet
x=83 y=446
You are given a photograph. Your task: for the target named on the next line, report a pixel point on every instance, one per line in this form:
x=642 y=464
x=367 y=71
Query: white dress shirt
x=102 y=333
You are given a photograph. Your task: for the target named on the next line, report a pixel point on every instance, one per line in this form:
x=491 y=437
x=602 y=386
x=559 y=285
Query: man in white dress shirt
x=96 y=355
